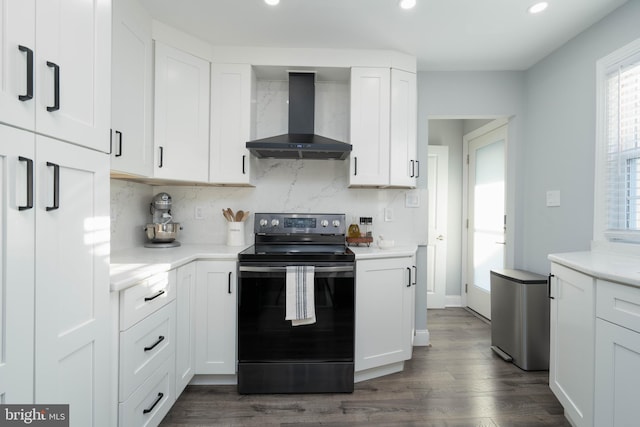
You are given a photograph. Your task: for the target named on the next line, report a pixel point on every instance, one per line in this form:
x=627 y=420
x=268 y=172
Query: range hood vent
x=300 y=142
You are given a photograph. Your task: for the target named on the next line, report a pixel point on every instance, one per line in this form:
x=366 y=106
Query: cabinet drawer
x=148 y=405
x=146 y=346
x=138 y=301
x=619 y=304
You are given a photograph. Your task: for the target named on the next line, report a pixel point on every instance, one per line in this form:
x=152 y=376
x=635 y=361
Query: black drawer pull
x=549 y=286
x=151 y=347
x=409 y=284
x=29 y=94
x=146 y=411
x=417 y=168
x=119 y=135
x=413 y=169
x=153 y=297
x=29 y=204
x=56 y=86
x=161 y=157
x=56 y=187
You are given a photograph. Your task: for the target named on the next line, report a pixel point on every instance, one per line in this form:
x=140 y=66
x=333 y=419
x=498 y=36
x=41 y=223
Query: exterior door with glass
x=486 y=216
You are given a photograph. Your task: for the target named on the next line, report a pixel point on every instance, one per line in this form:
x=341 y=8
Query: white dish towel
x=300 y=299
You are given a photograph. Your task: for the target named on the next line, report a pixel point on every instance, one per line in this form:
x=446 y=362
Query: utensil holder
x=235 y=233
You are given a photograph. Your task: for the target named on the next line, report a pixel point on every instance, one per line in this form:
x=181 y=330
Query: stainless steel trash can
x=520 y=318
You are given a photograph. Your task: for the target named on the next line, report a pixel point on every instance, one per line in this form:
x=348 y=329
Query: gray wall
x=481 y=95
x=560 y=139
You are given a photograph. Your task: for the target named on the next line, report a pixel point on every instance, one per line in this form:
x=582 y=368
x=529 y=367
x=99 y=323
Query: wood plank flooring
x=456 y=382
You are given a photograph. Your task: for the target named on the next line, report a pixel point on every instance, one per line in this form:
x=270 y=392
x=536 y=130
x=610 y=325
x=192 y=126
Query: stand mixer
x=162 y=232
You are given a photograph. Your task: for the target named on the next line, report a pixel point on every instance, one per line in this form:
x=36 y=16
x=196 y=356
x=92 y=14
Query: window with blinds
x=622 y=122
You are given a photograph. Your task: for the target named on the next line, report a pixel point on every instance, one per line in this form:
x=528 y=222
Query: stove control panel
x=290 y=223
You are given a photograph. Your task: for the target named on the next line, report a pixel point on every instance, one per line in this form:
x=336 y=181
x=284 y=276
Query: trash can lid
x=520 y=276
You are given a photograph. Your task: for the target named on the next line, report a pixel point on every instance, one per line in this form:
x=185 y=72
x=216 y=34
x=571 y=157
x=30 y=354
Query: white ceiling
x=442 y=34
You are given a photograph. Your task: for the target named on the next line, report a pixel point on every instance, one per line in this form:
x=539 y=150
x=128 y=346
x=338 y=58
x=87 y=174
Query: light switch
x=412 y=199
x=388 y=214
x=553 y=198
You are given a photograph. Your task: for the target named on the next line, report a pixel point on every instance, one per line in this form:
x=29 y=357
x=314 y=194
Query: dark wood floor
x=457 y=381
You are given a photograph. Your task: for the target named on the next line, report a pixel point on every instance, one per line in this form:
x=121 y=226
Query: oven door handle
x=256 y=269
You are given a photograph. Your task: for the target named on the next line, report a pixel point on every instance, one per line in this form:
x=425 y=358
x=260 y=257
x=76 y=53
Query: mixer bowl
x=162 y=233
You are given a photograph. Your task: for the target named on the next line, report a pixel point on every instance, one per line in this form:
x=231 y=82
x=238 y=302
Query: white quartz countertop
x=129 y=266
x=612 y=266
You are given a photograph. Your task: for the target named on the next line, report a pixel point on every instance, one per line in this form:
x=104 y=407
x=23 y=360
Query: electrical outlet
x=198 y=212
x=388 y=214
x=553 y=198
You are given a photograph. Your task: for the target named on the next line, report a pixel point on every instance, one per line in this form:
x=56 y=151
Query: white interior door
x=438 y=186
x=486 y=216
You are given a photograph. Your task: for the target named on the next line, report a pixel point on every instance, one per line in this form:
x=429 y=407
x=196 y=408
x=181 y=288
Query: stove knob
x=336 y=223
x=263 y=222
x=324 y=223
x=275 y=222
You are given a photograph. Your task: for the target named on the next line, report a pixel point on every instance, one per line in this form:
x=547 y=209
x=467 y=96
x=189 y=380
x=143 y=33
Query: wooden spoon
x=226 y=214
x=239 y=215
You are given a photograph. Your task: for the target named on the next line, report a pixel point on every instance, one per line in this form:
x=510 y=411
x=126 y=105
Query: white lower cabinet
x=185 y=325
x=572 y=340
x=385 y=294
x=216 y=309
x=147 y=350
x=148 y=405
x=617 y=372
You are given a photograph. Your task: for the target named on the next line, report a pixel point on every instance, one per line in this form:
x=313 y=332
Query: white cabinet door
x=185 y=326
x=384 y=306
x=617 y=375
x=232 y=88
x=72 y=70
x=370 y=122
x=404 y=167
x=72 y=280
x=216 y=308
x=17 y=45
x=572 y=340
x=17 y=222
x=181 y=120
x=131 y=89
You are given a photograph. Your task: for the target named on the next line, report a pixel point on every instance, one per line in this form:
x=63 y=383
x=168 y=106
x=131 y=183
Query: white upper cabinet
x=17 y=44
x=232 y=90
x=404 y=167
x=370 y=101
x=383 y=128
x=131 y=89
x=181 y=119
x=57 y=75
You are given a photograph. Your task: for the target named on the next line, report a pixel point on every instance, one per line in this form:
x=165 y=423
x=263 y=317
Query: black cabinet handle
x=355 y=166
x=56 y=86
x=152 y=346
x=29 y=94
x=229 y=282
x=413 y=169
x=415 y=275
x=119 y=135
x=29 y=204
x=409 y=284
x=161 y=157
x=160 y=396
x=153 y=297
x=56 y=186
x=417 y=168
x=549 y=286
x=244 y=156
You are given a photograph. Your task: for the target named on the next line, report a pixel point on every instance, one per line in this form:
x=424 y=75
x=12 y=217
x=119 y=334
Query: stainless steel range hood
x=300 y=142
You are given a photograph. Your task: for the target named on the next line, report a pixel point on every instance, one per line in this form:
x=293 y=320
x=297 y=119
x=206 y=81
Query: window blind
x=623 y=147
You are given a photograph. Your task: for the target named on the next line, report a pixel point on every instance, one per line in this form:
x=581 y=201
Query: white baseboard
x=422 y=338
x=453 y=301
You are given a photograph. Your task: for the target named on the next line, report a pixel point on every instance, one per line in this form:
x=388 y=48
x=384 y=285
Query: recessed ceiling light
x=272 y=2
x=407 y=4
x=538 y=7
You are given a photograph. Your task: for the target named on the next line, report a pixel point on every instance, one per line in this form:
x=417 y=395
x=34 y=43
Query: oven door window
x=264 y=335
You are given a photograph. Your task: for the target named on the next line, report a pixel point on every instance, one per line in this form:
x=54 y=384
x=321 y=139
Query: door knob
x=440 y=237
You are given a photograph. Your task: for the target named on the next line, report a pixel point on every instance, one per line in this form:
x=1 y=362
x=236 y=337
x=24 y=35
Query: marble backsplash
x=280 y=185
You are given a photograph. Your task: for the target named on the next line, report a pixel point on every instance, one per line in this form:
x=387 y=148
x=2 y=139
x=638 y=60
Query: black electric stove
x=273 y=355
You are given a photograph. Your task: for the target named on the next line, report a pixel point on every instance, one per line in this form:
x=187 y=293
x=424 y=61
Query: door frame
x=437 y=254
x=509 y=251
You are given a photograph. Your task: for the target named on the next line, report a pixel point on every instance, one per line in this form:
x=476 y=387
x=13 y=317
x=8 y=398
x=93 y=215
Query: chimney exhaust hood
x=300 y=142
